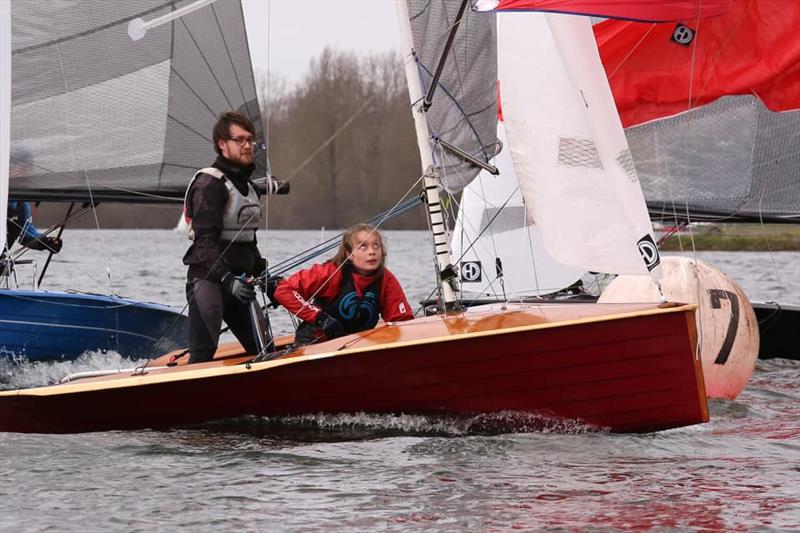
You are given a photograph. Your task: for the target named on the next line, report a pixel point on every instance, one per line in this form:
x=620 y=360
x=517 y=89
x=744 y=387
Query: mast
x=434 y=209
x=5 y=113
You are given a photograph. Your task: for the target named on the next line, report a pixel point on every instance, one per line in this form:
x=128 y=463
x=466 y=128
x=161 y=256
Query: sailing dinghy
x=628 y=367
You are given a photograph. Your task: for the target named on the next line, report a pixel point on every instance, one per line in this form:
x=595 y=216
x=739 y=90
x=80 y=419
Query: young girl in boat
x=347 y=293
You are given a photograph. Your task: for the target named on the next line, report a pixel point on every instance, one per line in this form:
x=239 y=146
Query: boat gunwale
x=183 y=374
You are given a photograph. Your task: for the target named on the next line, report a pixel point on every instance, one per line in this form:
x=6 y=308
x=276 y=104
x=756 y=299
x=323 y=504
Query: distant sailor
x=20 y=214
x=223 y=212
x=346 y=294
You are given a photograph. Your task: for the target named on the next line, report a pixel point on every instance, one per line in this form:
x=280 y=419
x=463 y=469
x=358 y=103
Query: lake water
x=320 y=473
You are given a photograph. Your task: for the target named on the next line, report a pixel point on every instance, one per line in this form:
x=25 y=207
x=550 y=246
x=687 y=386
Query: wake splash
x=19 y=373
x=356 y=426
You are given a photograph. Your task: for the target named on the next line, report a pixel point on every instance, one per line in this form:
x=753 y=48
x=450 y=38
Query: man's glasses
x=241 y=141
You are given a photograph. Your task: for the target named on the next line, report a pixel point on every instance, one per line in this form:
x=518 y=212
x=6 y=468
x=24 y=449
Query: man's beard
x=244 y=160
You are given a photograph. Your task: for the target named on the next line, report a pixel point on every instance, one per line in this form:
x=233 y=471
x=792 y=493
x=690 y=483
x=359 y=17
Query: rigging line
x=329 y=244
x=227 y=50
x=766 y=239
x=205 y=60
x=471 y=245
x=491 y=237
x=331 y=138
x=632 y=50
x=463 y=232
x=267 y=125
x=533 y=257
x=483 y=230
x=85 y=171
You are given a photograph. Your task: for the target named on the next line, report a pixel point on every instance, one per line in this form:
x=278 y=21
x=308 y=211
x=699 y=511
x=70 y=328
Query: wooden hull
x=626 y=368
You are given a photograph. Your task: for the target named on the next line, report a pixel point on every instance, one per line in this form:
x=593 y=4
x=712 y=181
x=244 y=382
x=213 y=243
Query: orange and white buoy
x=728 y=338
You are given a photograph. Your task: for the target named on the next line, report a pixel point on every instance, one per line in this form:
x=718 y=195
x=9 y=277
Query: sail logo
x=682 y=35
x=471 y=271
x=649 y=251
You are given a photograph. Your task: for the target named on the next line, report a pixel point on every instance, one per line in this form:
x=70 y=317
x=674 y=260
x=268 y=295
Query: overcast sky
x=284 y=35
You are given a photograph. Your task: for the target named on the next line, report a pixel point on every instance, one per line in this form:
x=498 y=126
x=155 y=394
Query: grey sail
x=99 y=114
x=726 y=161
x=464 y=109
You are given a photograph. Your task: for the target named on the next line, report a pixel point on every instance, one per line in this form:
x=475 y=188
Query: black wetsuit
x=210 y=259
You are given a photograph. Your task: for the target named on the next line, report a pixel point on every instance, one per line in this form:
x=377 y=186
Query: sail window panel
x=464 y=110
x=732 y=157
x=689 y=154
x=82 y=57
x=100 y=127
x=503 y=219
x=577 y=152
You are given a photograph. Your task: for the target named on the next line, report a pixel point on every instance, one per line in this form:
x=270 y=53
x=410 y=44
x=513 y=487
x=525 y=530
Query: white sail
x=569 y=149
x=5 y=112
x=492 y=227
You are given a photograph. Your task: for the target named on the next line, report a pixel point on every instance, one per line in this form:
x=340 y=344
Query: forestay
x=121 y=119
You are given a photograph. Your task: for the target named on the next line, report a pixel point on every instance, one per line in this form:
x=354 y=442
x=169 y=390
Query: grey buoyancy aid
x=242 y=214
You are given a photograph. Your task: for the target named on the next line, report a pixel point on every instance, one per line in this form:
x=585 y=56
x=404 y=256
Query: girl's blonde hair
x=347 y=245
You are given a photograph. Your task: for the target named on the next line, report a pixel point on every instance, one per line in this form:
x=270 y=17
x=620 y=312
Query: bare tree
x=345 y=139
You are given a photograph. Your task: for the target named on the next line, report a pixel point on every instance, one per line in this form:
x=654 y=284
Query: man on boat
x=20 y=214
x=223 y=212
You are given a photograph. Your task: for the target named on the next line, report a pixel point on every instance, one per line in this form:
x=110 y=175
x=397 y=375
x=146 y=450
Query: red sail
x=753 y=48
x=641 y=10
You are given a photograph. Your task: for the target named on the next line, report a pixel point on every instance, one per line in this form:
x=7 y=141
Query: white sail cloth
x=569 y=149
x=492 y=226
x=5 y=113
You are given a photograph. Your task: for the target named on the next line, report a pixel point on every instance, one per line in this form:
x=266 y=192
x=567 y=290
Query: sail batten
x=131 y=117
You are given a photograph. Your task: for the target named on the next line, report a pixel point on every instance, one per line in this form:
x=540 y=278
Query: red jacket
x=324 y=281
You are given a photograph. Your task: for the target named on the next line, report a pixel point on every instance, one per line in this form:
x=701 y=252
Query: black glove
x=261 y=266
x=53 y=244
x=271 y=285
x=332 y=327
x=50 y=244
x=238 y=288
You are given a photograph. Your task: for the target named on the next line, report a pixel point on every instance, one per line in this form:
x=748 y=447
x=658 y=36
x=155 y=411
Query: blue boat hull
x=47 y=326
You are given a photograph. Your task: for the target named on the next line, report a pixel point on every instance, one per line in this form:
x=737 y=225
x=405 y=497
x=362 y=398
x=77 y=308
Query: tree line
x=343 y=137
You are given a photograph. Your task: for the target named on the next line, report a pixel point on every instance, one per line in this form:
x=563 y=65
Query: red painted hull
x=631 y=374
